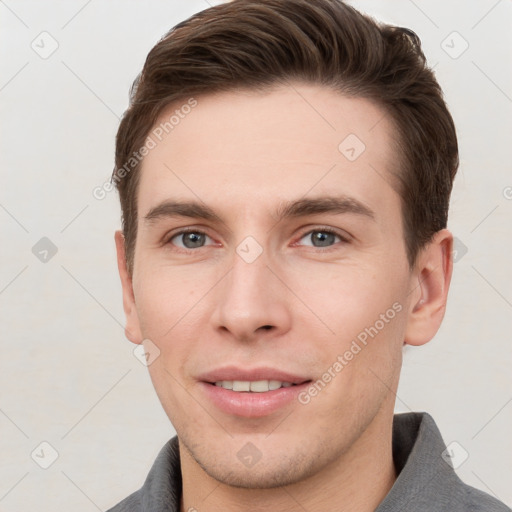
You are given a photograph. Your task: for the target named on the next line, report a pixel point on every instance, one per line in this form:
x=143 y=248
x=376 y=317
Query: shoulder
x=426 y=476
x=474 y=500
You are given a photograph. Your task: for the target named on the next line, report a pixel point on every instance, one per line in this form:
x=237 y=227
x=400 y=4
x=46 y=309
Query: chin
x=278 y=471
x=263 y=478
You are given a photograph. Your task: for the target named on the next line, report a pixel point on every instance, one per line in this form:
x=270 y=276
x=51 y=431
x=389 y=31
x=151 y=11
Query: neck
x=357 y=481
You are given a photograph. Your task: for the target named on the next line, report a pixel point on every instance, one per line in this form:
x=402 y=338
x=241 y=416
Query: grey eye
x=189 y=239
x=320 y=238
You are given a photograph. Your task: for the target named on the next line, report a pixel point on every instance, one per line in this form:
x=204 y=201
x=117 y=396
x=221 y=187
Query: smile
x=256 y=386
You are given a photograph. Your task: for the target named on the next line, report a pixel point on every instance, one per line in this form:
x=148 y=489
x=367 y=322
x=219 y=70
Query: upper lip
x=253 y=374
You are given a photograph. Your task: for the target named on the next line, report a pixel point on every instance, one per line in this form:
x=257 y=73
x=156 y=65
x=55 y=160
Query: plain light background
x=68 y=376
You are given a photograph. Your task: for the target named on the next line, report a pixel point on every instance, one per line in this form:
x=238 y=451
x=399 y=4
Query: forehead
x=249 y=149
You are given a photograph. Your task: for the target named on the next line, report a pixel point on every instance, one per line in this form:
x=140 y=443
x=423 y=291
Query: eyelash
x=331 y=231
x=344 y=239
x=167 y=240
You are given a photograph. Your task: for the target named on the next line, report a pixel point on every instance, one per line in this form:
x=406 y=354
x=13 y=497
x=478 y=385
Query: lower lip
x=251 y=405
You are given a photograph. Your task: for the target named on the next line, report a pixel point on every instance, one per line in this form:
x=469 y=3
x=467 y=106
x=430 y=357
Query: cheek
x=359 y=329
x=169 y=298
x=346 y=296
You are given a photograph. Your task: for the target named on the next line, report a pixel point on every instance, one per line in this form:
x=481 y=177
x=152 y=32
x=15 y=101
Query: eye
x=190 y=239
x=321 y=238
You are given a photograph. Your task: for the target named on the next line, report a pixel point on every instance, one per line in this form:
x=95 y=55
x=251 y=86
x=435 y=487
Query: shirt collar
x=423 y=474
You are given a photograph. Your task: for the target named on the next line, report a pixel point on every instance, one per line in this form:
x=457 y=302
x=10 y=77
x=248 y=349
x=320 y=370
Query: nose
x=251 y=302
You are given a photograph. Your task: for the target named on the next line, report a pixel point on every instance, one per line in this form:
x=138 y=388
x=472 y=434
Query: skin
x=244 y=154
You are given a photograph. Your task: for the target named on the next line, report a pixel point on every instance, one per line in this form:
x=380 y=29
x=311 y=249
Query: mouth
x=255 y=386
x=252 y=393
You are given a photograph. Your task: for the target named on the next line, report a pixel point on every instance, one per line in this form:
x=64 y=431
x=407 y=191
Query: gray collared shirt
x=426 y=482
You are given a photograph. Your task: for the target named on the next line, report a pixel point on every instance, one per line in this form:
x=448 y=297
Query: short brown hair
x=256 y=44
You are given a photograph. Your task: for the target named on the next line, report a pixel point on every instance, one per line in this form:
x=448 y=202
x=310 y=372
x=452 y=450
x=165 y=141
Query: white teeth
x=241 y=385
x=274 y=384
x=257 y=386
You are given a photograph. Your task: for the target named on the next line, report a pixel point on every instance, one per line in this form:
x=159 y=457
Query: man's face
x=304 y=254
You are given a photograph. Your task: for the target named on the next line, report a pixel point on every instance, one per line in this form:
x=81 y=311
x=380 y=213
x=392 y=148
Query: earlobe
x=132 y=329
x=430 y=287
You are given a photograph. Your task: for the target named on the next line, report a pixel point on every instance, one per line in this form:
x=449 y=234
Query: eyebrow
x=315 y=206
x=288 y=209
x=180 y=209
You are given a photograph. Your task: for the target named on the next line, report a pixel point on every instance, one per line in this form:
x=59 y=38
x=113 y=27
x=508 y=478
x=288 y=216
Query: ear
x=430 y=284
x=132 y=329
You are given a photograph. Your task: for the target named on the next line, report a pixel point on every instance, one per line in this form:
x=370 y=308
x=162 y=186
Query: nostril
x=266 y=327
